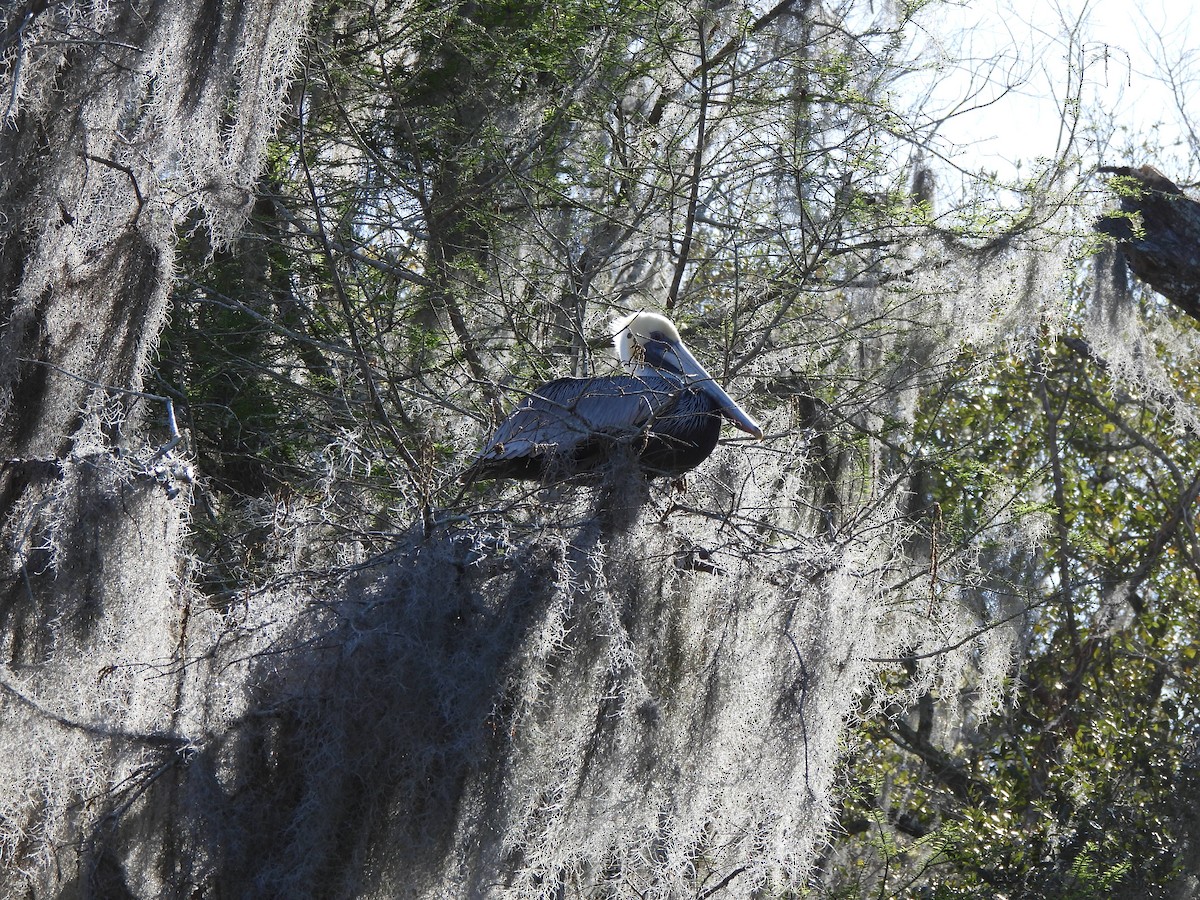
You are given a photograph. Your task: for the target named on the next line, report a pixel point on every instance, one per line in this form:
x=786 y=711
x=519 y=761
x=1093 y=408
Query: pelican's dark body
x=576 y=425
x=667 y=415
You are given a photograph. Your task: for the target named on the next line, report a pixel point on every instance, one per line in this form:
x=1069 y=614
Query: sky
x=1116 y=49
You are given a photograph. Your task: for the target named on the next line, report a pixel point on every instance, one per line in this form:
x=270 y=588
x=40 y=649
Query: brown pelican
x=667 y=412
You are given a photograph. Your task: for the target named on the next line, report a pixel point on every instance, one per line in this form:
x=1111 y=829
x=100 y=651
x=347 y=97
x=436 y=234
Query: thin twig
x=120 y=167
x=689 y=225
x=172 y=427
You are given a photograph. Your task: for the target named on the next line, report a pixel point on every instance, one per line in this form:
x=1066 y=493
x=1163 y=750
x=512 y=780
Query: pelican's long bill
x=676 y=356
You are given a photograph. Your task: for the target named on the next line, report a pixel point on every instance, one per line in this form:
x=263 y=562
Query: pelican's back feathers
x=570 y=420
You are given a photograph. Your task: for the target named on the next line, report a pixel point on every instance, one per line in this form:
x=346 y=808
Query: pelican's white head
x=634 y=330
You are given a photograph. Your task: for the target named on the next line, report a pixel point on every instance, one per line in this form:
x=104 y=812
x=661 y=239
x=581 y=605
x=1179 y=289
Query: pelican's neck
x=654 y=375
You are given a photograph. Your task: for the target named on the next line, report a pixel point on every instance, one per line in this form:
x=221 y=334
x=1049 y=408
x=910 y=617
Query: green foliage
x=1080 y=785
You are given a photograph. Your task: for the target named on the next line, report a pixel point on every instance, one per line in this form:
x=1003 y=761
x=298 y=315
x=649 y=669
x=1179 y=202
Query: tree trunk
x=1158 y=232
x=117 y=122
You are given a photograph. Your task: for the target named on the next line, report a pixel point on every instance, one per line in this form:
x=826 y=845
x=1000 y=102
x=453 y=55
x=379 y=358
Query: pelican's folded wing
x=556 y=420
